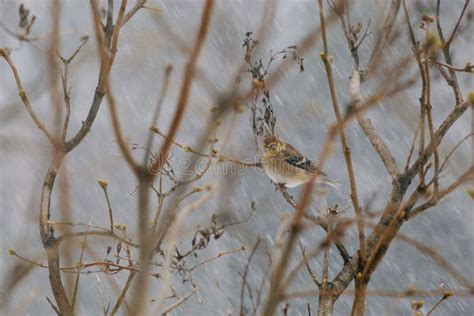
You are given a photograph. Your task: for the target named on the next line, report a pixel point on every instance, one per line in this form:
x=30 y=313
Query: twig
x=219 y=255
x=103 y=185
x=219 y=157
x=137 y=6
x=161 y=98
x=445 y=162
x=99 y=93
x=366 y=125
x=453 y=33
x=24 y=97
x=468 y=67
x=78 y=275
x=410 y=292
x=325 y=274
x=445 y=49
x=187 y=82
x=412 y=146
x=308 y=268
x=429 y=116
x=103 y=232
x=438 y=259
x=101 y=295
x=121 y=297
x=244 y=276
x=446 y=295
x=56 y=310
x=385 y=33
x=345 y=145
x=179 y=302
x=175 y=232
x=468 y=175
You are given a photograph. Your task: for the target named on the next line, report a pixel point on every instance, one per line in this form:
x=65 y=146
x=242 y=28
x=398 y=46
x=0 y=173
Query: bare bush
x=188 y=232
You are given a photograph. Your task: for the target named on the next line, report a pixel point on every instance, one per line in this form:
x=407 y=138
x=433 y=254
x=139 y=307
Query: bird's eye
x=273 y=150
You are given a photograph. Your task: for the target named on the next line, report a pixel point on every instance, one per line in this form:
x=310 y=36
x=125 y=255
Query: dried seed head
x=428 y=18
x=257 y=83
x=447 y=294
x=470 y=97
x=103 y=183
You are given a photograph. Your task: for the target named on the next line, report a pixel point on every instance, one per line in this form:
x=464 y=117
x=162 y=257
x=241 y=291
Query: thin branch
x=308 y=268
x=453 y=33
x=447 y=55
x=219 y=255
x=438 y=259
x=468 y=67
x=446 y=160
x=175 y=229
x=137 y=6
x=24 y=97
x=467 y=176
x=244 y=276
x=445 y=296
x=187 y=83
x=179 y=302
x=104 y=232
x=410 y=292
x=78 y=275
x=342 y=135
x=159 y=105
x=99 y=93
x=121 y=297
x=56 y=310
x=103 y=185
x=385 y=33
x=219 y=157
x=429 y=116
x=412 y=146
x=366 y=125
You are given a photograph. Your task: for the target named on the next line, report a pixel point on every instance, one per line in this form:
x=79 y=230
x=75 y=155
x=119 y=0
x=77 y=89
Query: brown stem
x=121 y=297
x=24 y=97
x=447 y=54
x=346 y=275
x=48 y=240
x=342 y=135
x=187 y=83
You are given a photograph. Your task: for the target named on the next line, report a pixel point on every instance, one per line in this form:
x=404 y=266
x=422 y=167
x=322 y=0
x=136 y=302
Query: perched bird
x=285 y=165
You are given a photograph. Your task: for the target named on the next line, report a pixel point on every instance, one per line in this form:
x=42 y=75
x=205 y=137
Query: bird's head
x=273 y=145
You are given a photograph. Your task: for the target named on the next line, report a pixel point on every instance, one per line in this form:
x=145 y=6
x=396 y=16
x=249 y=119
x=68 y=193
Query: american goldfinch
x=285 y=165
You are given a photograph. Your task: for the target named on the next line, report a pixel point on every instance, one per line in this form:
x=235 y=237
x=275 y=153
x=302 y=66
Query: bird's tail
x=327 y=181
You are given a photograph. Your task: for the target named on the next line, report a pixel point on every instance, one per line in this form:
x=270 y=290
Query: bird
x=287 y=167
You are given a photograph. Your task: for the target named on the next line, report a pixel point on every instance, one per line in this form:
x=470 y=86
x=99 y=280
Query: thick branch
x=346 y=275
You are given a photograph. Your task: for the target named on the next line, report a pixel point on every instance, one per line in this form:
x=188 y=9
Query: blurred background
x=154 y=39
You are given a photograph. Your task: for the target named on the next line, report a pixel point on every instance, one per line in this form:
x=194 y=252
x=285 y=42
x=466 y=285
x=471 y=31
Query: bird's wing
x=295 y=158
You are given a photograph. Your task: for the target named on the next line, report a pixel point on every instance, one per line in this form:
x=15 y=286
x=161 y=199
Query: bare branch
x=385 y=33
x=377 y=143
x=179 y=302
x=187 y=82
x=447 y=54
x=308 y=268
x=342 y=135
x=24 y=97
x=137 y=6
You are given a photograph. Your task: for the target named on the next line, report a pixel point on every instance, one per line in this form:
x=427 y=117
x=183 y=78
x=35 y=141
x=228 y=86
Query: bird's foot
x=279 y=187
